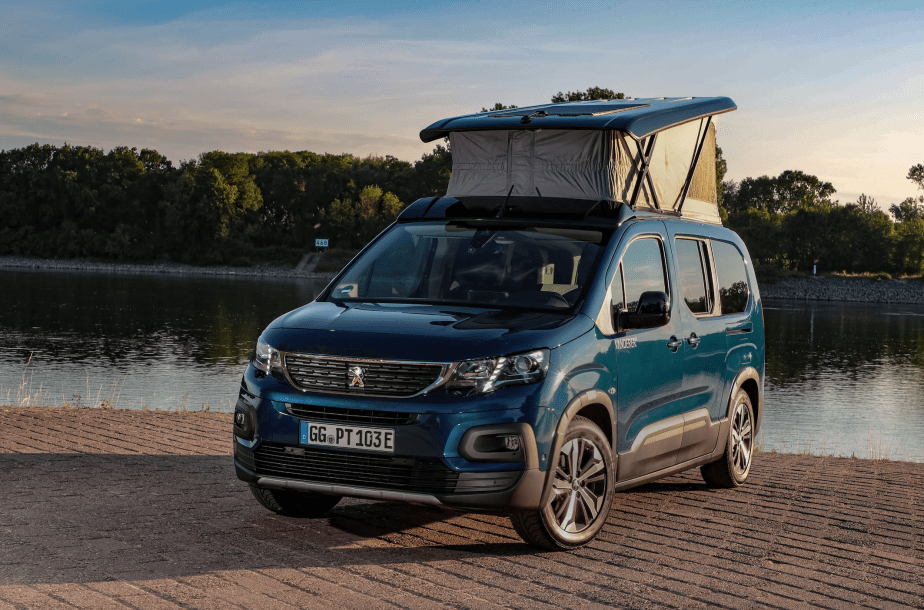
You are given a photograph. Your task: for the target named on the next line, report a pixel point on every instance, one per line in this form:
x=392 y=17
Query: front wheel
x=735 y=464
x=293 y=503
x=581 y=495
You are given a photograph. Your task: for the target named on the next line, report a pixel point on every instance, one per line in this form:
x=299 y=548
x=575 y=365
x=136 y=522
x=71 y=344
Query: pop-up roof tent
x=655 y=153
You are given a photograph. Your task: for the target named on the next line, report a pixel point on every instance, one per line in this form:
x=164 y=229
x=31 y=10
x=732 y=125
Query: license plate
x=349 y=437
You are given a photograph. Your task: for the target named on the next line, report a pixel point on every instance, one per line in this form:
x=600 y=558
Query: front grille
x=380 y=378
x=353 y=416
x=359 y=469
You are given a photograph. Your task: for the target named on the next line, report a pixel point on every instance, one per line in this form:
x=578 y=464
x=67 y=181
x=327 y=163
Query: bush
x=768 y=274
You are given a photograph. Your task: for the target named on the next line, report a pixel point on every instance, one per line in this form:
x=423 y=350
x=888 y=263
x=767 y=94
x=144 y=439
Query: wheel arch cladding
x=750 y=386
x=599 y=415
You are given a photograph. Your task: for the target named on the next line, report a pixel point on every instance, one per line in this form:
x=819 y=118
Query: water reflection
x=845 y=378
x=842 y=378
x=155 y=341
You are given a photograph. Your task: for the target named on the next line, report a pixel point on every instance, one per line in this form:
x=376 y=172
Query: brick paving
x=128 y=509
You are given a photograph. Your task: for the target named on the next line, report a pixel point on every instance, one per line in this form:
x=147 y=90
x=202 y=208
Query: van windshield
x=477 y=264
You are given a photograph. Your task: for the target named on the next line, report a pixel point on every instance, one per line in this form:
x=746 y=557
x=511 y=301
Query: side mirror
x=654 y=309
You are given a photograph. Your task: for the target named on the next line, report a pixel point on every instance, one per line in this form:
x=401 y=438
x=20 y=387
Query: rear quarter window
x=733 y=278
x=692 y=276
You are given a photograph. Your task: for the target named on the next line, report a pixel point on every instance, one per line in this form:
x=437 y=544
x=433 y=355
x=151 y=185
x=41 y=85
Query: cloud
x=109 y=127
x=367 y=81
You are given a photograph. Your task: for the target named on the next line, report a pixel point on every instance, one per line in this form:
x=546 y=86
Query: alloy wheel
x=579 y=487
x=742 y=439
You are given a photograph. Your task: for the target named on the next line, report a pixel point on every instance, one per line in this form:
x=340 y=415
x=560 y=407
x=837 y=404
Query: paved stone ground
x=123 y=509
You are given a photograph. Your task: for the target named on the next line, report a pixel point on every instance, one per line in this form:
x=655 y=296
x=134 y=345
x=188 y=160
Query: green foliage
x=790 y=222
x=242 y=208
x=768 y=274
x=916 y=175
x=909 y=209
x=721 y=168
x=221 y=208
x=592 y=93
x=498 y=106
x=909 y=246
x=432 y=172
x=866 y=204
x=789 y=191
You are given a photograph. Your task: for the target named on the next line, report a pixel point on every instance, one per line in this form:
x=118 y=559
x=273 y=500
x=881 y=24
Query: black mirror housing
x=654 y=310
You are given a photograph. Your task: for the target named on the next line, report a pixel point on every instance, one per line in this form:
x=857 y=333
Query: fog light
x=239 y=418
x=511 y=442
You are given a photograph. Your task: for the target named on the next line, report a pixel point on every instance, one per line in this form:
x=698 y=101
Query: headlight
x=487 y=374
x=266 y=358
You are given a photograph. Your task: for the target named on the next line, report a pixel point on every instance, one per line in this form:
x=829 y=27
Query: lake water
x=842 y=378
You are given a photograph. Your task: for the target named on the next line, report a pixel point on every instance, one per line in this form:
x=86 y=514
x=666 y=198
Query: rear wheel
x=581 y=495
x=293 y=503
x=733 y=468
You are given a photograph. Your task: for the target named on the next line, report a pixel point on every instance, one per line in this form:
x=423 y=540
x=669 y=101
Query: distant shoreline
x=855 y=290
x=25 y=263
x=803 y=289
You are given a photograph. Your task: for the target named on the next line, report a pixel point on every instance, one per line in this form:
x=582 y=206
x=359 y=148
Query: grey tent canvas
x=579 y=156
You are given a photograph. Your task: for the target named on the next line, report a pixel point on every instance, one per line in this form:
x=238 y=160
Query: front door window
x=649 y=367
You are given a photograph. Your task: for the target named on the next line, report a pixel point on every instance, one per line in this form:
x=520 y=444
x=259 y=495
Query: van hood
x=425 y=333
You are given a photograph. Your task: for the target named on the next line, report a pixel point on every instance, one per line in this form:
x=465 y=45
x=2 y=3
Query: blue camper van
x=569 y=320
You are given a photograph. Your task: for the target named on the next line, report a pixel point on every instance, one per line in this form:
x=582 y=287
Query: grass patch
x=104 y=397
x=876 y=449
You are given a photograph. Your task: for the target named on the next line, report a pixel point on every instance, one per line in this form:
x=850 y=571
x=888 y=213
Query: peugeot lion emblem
x=357 y=375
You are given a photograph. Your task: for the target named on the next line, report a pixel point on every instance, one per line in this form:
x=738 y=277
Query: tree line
x=243 y=209
x=791 y=222
x=231 y=208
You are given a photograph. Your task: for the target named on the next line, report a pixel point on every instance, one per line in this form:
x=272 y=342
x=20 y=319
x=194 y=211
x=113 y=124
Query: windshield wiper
x=500 y=212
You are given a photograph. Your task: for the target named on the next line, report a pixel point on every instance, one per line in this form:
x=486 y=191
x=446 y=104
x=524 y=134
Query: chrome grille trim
x=386 y=378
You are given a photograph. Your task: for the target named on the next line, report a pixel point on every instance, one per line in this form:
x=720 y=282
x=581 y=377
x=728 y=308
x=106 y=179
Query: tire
x=732 y=469
x=576 y=510
x=293 y=503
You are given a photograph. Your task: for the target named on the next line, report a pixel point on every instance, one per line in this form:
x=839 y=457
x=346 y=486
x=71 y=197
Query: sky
x=834 y=89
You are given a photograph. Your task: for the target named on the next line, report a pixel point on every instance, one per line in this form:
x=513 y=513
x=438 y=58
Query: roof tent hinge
x=644 y=175
x=689 y=181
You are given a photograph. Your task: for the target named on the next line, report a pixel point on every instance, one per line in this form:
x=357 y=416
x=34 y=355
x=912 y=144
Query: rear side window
x=643 y=266
x=693 y=275
x=733 y=278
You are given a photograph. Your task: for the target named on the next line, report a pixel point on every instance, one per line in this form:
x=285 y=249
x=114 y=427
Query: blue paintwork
x=583 y=357
x=728 y=353
x=423 y=333
x=640 y=117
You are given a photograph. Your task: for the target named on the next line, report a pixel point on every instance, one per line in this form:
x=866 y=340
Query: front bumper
x=499 y=491
x=437 y=458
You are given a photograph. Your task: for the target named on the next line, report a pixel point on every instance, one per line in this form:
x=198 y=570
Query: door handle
x=741 y=328
x=693 y=340
x=674 y=344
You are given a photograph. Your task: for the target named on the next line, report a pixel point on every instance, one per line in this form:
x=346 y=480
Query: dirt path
x=123 y=509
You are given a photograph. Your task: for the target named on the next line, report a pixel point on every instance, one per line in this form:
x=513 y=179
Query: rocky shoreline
x=842 y=289
x=81 y=266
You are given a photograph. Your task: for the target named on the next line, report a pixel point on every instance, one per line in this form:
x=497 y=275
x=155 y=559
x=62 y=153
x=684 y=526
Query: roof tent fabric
x=583 y=164
x=549 y=163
